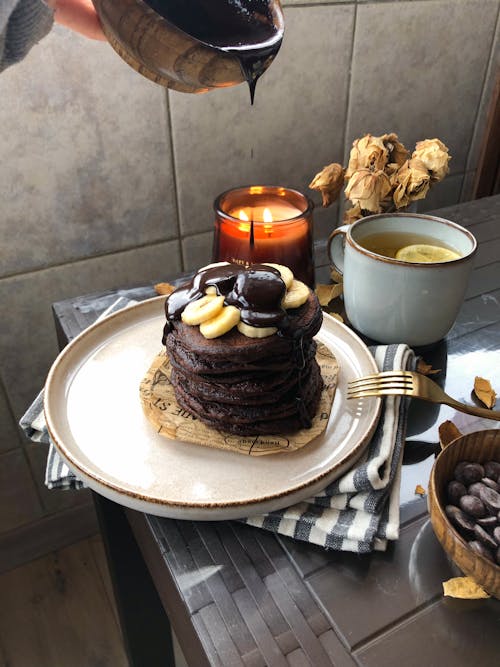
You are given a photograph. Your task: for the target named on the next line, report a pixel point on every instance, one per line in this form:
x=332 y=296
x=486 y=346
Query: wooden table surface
x=241 y=596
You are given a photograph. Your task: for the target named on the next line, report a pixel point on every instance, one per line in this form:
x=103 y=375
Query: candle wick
x=252 y=239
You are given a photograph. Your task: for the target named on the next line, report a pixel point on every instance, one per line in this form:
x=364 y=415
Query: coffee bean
x=457 y=473
x=474 y=489
x=484 y=537
x=492 y=469
x=479 y=548
x=472 y=472
x=489 y=482
x=488 y=522
x=455 y=491
x=473 y=506
x=459 y=519
x=490 y=498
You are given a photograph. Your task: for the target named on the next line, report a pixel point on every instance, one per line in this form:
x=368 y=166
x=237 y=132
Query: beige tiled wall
x=107 y=179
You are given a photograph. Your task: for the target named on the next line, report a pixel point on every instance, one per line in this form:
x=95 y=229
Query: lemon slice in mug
x=426 y=253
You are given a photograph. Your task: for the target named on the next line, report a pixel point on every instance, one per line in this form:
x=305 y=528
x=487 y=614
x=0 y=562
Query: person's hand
x=78 y=15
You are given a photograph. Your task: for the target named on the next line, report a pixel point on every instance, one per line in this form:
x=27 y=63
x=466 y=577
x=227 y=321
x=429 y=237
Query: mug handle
x=335 y=247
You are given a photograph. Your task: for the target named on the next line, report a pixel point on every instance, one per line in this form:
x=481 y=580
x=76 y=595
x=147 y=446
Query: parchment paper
x=170 y=420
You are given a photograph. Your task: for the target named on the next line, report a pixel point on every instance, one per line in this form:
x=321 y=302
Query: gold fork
x=406 y=383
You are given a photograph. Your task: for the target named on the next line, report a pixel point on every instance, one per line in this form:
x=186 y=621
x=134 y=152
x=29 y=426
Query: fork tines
x=380 y=382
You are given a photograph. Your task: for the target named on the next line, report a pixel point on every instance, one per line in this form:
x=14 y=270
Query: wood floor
x=58 y=611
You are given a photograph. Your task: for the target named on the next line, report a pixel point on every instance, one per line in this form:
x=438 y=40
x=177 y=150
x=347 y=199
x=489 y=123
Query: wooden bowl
x=477 y=447
x=162 y=52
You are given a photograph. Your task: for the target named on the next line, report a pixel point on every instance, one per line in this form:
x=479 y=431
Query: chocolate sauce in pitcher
x=250 y=30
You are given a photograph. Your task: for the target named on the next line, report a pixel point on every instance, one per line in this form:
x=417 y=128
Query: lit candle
x=265 y=224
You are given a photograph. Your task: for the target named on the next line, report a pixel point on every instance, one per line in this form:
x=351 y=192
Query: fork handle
x=486 y=413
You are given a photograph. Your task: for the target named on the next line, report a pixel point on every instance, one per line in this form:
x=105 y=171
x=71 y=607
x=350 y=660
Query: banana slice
x=421 y=252
x=202 y=309
x=223 y=322
x=211 y=290
x=286 y=274
x=296 y=295
x=255 y=332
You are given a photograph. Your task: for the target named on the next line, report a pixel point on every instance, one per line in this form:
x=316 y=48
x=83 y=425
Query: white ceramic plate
x=95 y=419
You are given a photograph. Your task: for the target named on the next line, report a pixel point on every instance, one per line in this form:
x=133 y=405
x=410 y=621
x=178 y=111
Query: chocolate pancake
x=187 y=361
x=281 y=417
x=267 y=388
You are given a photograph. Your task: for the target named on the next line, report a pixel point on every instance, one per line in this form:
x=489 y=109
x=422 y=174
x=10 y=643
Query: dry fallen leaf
x=327 y=293
x=426 y=369
x=464 y=588
x=485 y=392
x=419 y=490
x=447 y=433
x=336 y=276
x=164 y=288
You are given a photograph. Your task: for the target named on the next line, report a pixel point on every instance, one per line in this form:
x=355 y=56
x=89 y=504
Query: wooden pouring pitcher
x=168 y=55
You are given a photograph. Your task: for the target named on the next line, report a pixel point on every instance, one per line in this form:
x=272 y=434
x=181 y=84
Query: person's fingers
x=78 y=15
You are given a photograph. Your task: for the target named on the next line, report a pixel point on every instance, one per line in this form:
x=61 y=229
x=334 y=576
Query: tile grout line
x=78 y=260
x=482 y=100
x=341 y=208
x=174 y=179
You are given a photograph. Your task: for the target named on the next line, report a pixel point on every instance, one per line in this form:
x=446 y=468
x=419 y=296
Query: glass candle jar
x=265 y=223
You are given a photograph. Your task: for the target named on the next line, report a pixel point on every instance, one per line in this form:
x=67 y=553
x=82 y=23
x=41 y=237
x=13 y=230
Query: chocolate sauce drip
x=243 y=28
x=300 y=361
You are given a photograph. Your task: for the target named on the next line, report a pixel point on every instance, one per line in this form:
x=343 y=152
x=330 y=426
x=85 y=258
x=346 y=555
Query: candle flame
x=267 y=215
x=243 y=216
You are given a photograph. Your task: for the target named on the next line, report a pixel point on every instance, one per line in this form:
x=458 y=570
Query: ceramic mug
x=394 y=301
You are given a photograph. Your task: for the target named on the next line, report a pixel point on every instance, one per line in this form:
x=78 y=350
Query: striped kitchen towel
x=358 y=512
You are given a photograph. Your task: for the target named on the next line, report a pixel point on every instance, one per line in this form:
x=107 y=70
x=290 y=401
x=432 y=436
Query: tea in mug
x=409 y=247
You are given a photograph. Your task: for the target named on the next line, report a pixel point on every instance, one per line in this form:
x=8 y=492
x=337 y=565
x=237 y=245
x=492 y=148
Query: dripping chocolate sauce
x=257 y=291
x=245 y=29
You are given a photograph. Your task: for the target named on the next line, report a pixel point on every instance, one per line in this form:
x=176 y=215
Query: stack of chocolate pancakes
x=241 y=349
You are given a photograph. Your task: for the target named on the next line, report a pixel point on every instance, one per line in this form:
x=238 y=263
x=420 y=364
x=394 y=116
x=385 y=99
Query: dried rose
x=411 y=182
x=391 y=168
x=329 y=182
x=368 y=152
x=352 y=214
x=397 y=153
x=434 y=154
x=368 y=188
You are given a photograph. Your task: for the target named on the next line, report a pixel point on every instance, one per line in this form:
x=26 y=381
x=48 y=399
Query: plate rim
x=75 y=465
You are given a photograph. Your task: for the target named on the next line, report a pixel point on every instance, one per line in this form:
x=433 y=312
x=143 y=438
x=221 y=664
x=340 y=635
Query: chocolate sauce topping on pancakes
x=257 y=291
x=239 y=384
